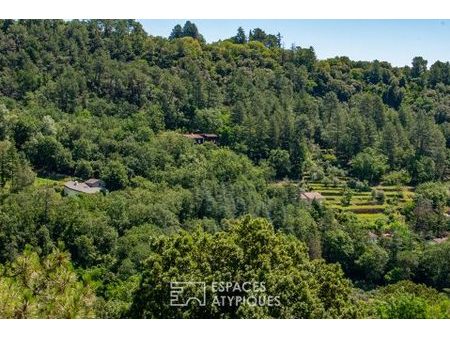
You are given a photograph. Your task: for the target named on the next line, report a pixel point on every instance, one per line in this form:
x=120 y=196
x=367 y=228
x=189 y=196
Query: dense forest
x=104 y=99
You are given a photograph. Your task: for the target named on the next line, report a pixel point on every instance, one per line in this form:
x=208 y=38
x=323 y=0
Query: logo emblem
x=183 y=293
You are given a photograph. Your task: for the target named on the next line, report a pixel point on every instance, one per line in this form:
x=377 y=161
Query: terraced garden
x=363 y=203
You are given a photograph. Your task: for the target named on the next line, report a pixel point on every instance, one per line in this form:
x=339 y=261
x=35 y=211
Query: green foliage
x=396 y=178
x=189 y=30
x=249 y=251
x=279 y=160
x=101 y=98
x=115 y=175
x=369 y=165
x=427 y=212
x=83 y=169
x=210 y=120
x=346 y=197
x=358 y=185
x=437 y=193
x=379 y=196
x=268 y=40
x=14 y=168
x=339 y=247
x=372 y=263
x=240 y=36
x=48 y=287
x=406 y=300
x=433 y=267
x=237 y=89
x=300 y=223
x=47 y=153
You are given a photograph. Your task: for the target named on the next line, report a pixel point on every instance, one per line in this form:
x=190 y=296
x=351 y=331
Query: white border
x=224 y=328
x=236 y=9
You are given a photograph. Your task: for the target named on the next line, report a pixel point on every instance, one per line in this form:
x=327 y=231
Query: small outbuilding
x=95 y=183
x=311 y=196
x=197 y=138
x=211 y=137
x=201 y=138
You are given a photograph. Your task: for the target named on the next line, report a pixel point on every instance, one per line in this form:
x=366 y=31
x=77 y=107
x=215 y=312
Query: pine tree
x=240 y=36
x=177 y=32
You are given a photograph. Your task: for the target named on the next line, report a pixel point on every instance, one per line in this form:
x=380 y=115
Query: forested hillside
x=103 y=99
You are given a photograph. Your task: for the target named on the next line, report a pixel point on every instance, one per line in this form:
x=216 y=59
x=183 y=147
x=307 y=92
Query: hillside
x=103 y=99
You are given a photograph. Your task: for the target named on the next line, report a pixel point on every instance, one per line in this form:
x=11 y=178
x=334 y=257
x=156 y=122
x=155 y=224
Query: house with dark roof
x=201 y=138
x=197 y=138
x=210 y=137
x=91 y=186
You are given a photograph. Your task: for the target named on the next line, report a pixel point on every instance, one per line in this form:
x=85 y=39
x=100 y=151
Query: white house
x=91 y=186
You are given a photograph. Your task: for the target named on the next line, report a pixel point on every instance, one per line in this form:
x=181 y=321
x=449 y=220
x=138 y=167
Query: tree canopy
x=103 y=99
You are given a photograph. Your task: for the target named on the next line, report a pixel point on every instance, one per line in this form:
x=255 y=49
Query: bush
x=346 y=197
x=83 y=169
x=378 y=196
x=317 y=174
x=408 y=300
x=358 y=185
x=436 y=192
x=369 y=165
x=326 y=181
x=336 y=181
x=401 y=177
x=115 y=175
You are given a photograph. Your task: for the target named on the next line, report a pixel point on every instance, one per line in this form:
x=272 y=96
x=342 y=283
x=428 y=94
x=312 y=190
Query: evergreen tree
x=240 y=36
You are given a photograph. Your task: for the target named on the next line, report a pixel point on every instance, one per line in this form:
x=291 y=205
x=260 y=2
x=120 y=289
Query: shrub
x=378 y=196
x=358 y=185
x=346 y=197
x=400 y=177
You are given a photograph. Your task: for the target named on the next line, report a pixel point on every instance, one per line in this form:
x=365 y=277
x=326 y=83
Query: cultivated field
x=363 y=203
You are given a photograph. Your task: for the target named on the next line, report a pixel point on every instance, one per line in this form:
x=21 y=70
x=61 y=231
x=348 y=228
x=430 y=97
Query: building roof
x=81 y=187
x=210 y=135
x=312 y=195
x=440 y=240
x=94 y=182
x=193 y=136
x=201 y=136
